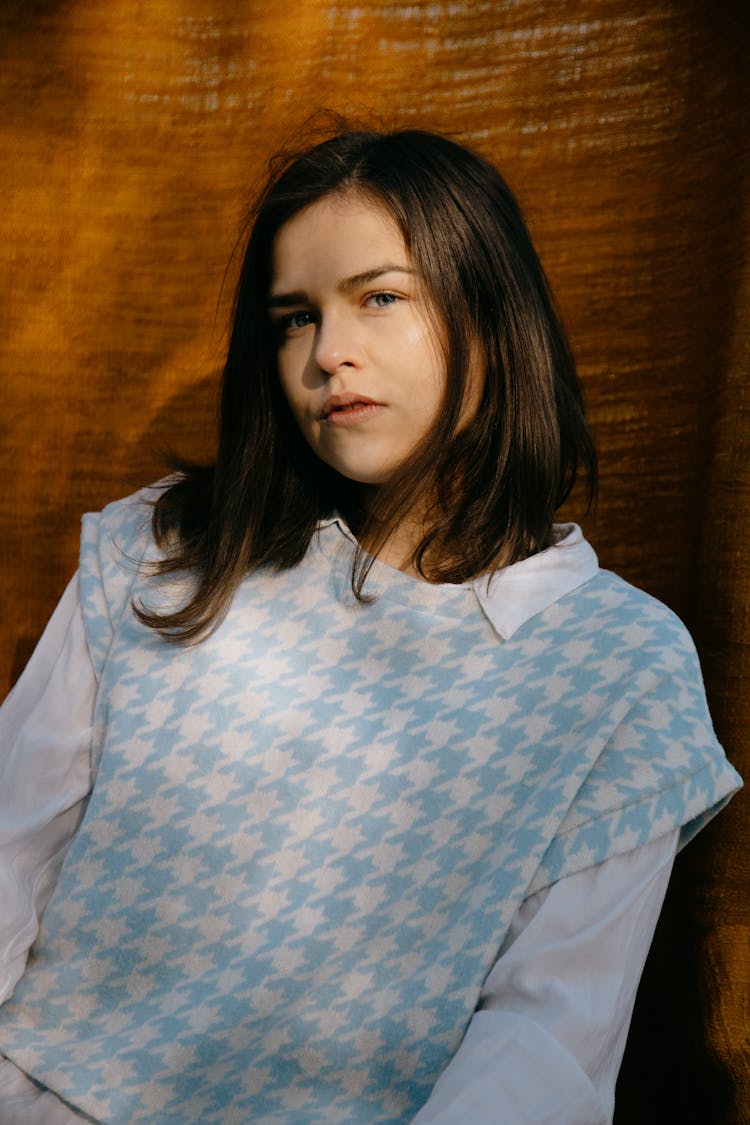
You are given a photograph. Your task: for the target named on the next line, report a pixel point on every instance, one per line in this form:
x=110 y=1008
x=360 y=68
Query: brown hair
x=494 y=482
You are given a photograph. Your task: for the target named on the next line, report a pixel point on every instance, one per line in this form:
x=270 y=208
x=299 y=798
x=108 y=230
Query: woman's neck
x=398 y=549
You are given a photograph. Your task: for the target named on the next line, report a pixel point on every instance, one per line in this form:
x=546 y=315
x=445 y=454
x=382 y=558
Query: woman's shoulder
x=117 y=544
x=127 y=520
x=608 y=605
x=635 y=683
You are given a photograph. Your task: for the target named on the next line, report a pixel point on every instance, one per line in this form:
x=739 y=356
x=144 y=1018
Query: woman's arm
x=45 y=741
x=546 y=1046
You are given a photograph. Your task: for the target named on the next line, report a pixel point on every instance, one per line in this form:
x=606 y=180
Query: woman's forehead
x=339 y=236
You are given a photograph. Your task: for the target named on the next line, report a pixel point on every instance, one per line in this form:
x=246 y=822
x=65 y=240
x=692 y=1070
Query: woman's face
x=358 y=357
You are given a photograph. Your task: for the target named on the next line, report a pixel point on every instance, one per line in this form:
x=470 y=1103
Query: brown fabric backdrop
x=132 y=137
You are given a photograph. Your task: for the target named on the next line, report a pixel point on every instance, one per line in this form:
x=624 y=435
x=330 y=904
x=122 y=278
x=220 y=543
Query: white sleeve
x=45 y=744
x=546 y=1044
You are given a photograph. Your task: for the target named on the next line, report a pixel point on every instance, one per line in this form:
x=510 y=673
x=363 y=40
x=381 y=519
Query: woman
x=386 y=776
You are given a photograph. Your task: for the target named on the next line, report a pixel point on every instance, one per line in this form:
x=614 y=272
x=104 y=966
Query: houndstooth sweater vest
x=309 y=833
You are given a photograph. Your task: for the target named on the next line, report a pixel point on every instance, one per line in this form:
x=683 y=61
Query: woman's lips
x=352 y=415
x=349 y=409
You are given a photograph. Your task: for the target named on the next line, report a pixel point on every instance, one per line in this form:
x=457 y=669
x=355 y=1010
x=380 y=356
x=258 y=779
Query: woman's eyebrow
x=286 y=300
x=358 y=279
x=346 y=285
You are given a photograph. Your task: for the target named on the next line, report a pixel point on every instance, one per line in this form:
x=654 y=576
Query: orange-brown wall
x=132 y=138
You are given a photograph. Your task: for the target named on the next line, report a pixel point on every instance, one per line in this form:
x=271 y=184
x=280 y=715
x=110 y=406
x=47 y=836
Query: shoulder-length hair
x=493 y=482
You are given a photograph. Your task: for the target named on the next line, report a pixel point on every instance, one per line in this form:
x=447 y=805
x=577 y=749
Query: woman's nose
x=336 y=344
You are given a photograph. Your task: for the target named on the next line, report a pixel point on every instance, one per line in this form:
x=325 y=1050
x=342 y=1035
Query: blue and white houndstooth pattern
x=309 y=833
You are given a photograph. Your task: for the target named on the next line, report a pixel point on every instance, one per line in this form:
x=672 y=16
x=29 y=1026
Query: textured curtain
x=132 y=138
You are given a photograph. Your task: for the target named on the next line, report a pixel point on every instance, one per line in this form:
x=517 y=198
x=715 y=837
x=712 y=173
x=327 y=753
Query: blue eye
x=382 y=300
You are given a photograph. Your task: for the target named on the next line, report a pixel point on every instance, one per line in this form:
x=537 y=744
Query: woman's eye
x=294 y=321
x=381 y=300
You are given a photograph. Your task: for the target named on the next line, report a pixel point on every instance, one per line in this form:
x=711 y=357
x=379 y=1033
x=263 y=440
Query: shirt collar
x=515 y=594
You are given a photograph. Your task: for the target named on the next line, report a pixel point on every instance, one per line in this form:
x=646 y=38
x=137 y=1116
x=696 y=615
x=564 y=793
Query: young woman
x=373 y=779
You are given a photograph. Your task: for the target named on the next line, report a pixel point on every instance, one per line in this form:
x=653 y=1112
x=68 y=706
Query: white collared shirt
x=548 y=1040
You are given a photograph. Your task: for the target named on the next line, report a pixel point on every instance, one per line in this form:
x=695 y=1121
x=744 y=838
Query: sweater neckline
x=508 y=599
x=383 y=580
